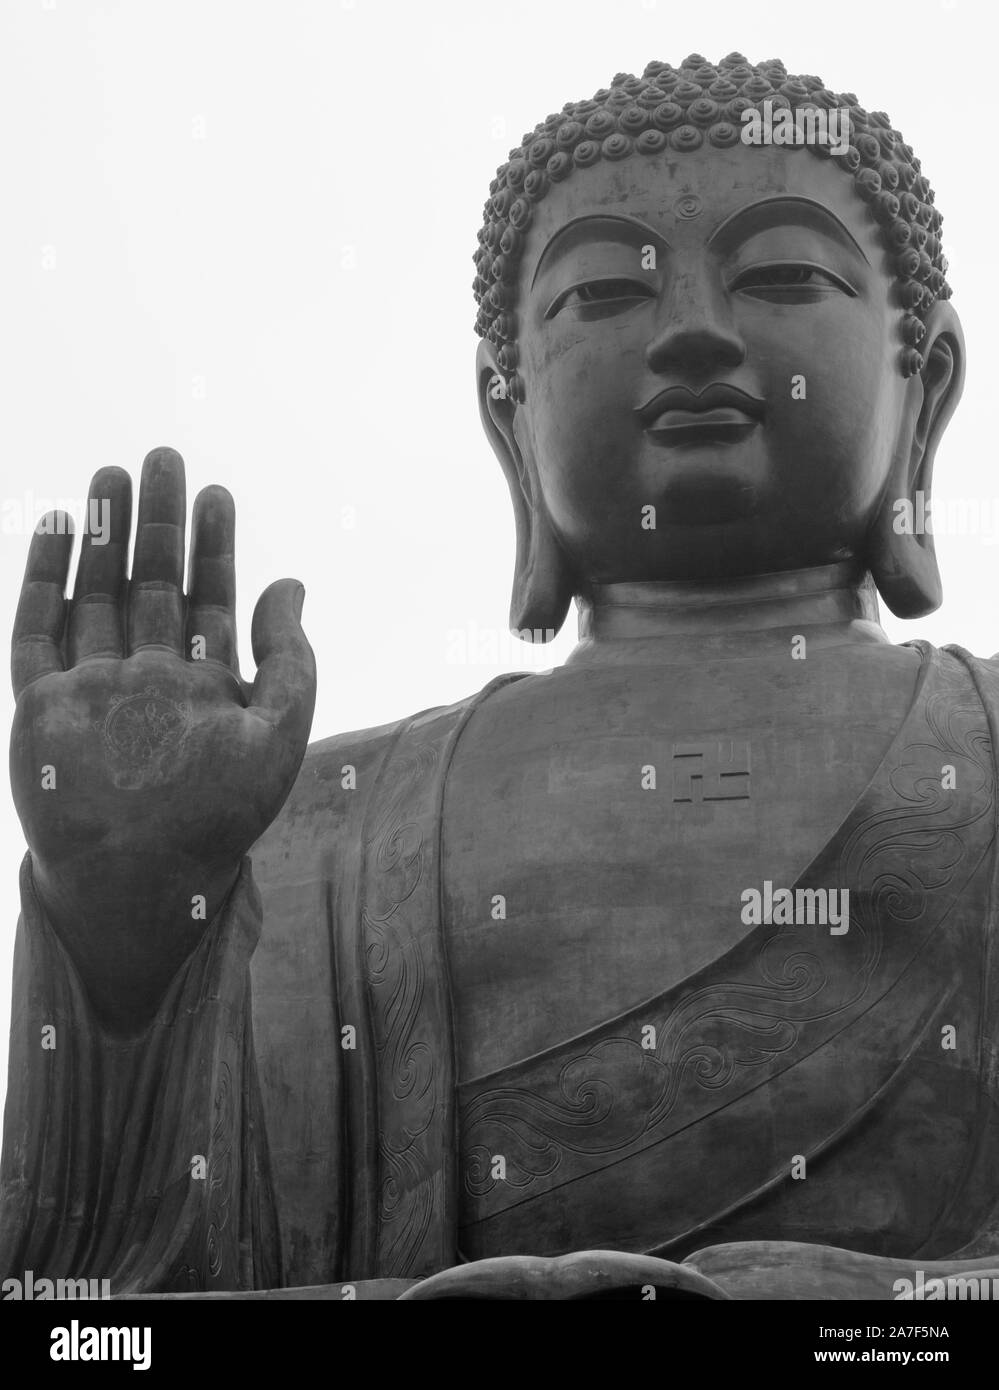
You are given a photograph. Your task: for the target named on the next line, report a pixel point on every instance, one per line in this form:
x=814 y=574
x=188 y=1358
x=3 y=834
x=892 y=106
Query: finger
x=156 y=595
x=211 y=584
x=36 y=648
x=284 y=691
x=95 y=615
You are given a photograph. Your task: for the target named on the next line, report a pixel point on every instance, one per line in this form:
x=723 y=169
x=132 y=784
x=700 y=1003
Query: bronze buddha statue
x=480 y=986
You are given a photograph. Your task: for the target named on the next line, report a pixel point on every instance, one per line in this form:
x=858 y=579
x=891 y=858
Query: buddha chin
x=707 y=479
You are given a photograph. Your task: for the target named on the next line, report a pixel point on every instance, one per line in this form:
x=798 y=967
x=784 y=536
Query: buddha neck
x=678 y=622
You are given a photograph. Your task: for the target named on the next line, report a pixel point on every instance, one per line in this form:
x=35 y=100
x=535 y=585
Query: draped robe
x=305 y=1055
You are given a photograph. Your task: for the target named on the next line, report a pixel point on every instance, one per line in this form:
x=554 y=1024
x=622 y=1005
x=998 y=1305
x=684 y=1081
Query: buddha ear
x=901 y=552
x=542 y=581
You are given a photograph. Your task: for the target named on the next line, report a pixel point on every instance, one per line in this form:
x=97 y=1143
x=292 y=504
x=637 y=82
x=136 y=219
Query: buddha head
x=711 y=349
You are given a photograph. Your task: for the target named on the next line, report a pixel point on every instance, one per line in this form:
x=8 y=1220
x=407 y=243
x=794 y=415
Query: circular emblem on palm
x=142 y=726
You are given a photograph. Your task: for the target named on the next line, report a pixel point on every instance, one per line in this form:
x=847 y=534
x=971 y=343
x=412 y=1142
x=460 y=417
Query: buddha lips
x=797 y=907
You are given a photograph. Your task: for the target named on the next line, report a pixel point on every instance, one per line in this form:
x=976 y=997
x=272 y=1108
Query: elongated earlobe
x=901 y=552
x=543 y=582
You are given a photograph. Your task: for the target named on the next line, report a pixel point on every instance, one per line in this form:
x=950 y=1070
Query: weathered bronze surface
x=672 y=968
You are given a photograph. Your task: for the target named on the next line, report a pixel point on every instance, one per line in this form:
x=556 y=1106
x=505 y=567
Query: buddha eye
x=790 y=282
x=599 y=298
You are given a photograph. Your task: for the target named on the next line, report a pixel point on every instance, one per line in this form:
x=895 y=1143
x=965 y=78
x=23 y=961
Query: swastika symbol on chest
x=712 y=770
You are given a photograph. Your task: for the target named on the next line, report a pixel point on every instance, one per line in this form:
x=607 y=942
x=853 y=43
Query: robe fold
x=316 y=1074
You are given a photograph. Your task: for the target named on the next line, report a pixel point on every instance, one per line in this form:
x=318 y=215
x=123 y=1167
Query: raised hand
x=143 y=766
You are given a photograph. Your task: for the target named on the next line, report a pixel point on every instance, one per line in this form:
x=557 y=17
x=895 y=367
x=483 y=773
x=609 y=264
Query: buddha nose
x=695 y=335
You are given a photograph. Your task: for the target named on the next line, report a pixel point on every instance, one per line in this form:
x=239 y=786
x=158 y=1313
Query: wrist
x=129 y=928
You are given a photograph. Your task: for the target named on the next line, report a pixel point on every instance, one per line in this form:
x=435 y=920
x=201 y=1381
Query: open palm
x=143 y=766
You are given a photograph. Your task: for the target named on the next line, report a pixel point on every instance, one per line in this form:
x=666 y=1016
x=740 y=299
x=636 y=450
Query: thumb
x=284 y=690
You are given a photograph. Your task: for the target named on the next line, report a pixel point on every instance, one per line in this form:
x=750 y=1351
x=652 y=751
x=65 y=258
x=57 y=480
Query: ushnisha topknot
x=683 y=109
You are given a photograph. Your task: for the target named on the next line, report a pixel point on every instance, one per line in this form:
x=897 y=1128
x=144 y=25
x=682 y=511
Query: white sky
x=262 y=215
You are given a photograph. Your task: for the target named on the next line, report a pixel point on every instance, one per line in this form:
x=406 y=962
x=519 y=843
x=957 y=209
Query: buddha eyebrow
x=613 y=227
x=777 y=211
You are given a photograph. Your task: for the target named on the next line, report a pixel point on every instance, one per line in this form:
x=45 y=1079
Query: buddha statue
x=671 y=967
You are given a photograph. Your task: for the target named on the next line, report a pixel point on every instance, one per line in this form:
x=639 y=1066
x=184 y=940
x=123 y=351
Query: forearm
x=120 y=1154
x=130 y=923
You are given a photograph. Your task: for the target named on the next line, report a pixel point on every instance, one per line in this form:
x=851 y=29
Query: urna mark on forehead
x=697 y=108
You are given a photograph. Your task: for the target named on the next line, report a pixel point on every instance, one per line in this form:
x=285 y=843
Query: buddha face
x=709 y=348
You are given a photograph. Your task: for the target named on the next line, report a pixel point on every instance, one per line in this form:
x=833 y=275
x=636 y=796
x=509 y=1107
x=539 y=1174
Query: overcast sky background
x=245 y=229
